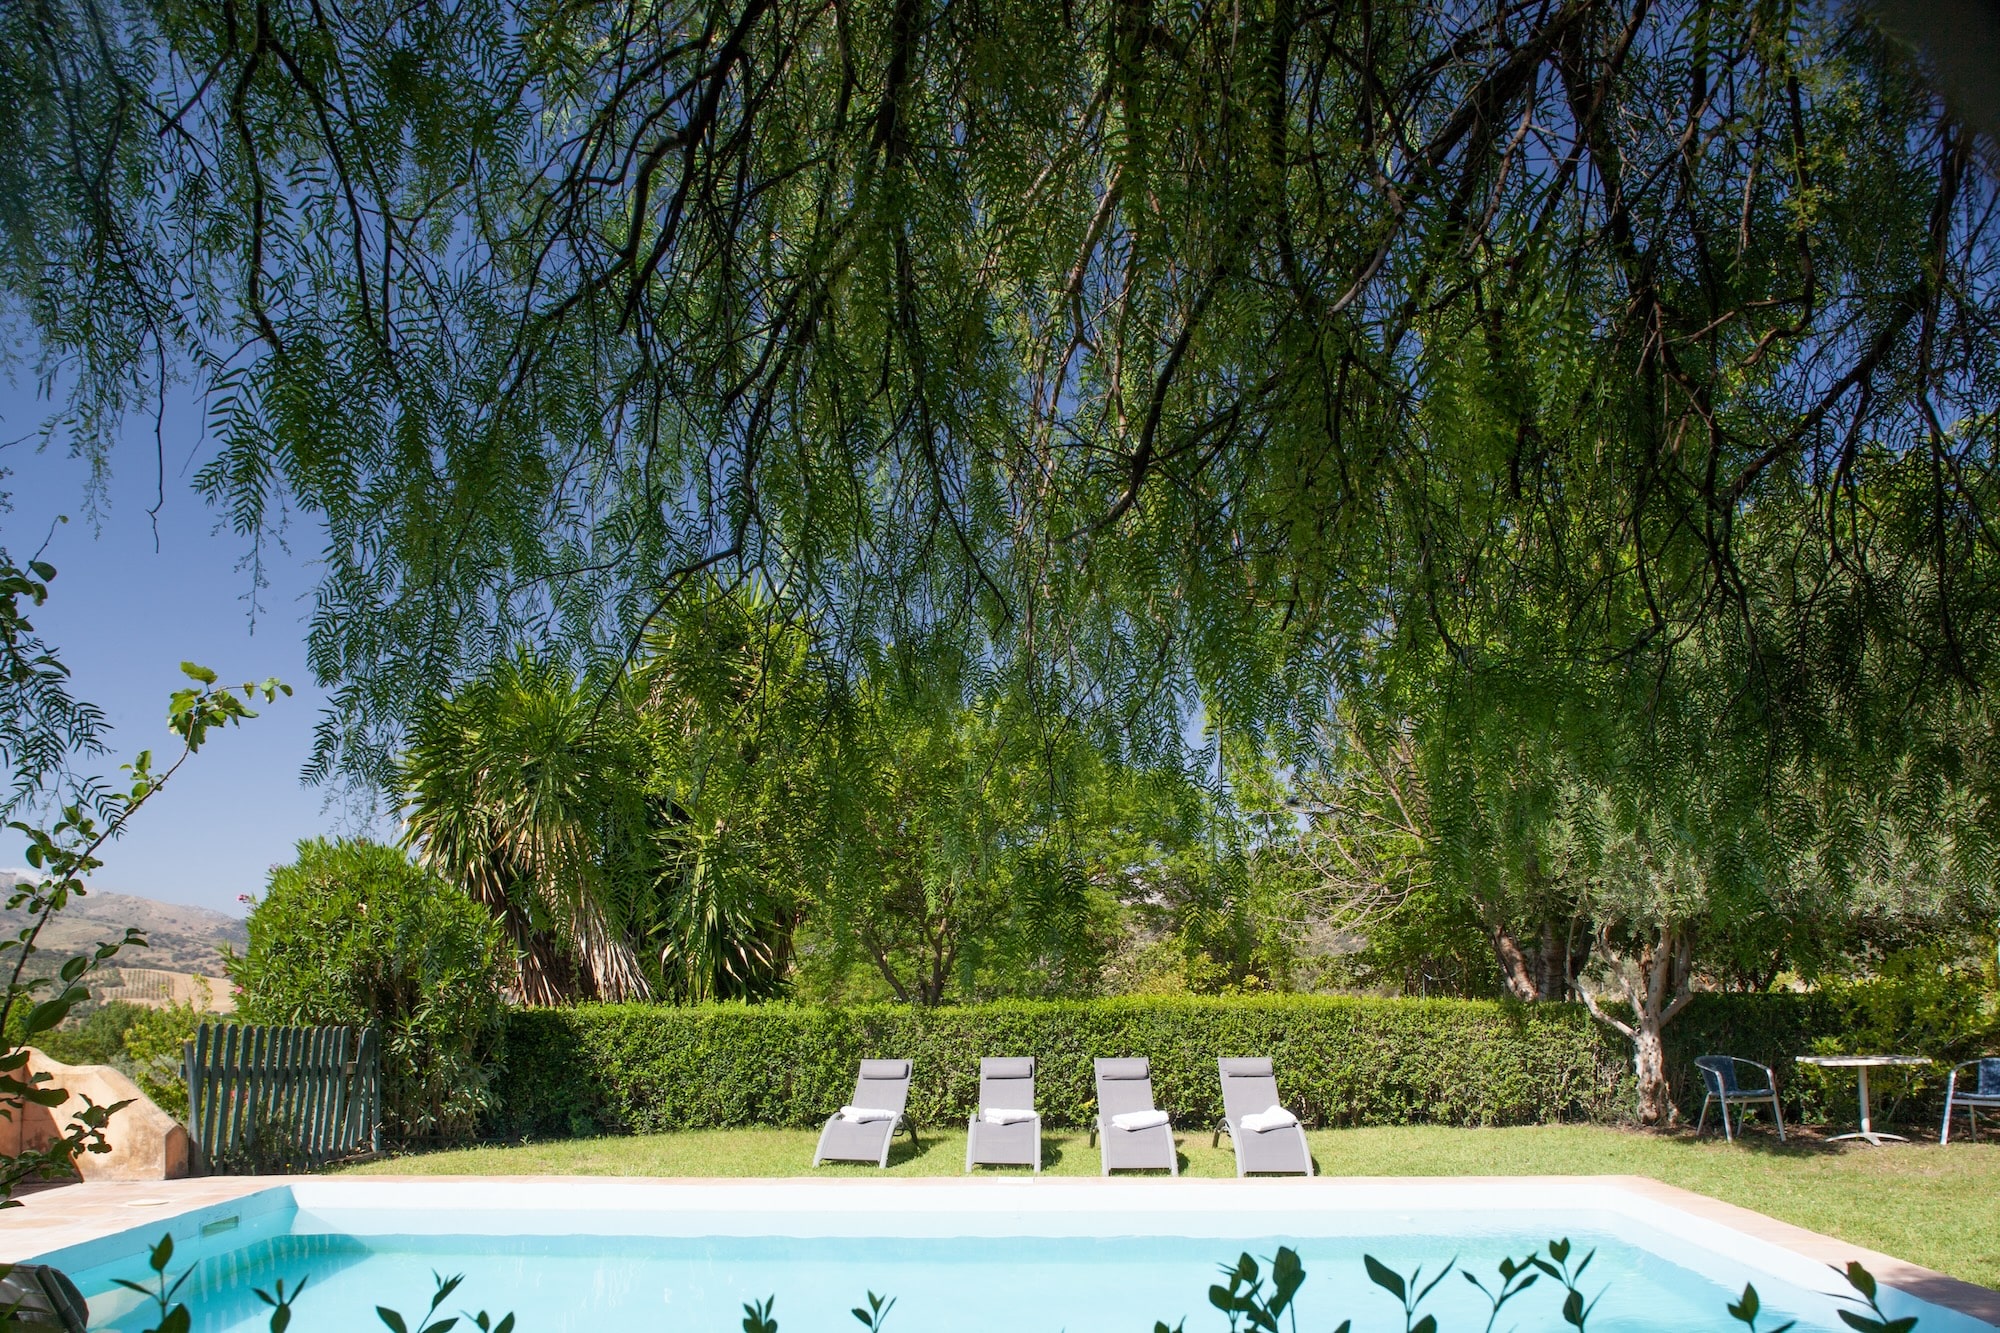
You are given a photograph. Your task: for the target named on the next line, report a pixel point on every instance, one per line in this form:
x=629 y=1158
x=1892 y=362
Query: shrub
x=352 y=933
x=1341 y=1061
x=1917 y=1002
x=141 y=1041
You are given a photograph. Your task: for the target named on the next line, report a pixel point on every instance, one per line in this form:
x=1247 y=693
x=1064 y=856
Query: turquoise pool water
x=624 y=1283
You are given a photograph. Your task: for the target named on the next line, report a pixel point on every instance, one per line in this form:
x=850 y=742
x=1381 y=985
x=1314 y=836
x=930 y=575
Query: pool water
x=615 y=1283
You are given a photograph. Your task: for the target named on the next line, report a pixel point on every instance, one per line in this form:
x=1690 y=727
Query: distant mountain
x=179 y=938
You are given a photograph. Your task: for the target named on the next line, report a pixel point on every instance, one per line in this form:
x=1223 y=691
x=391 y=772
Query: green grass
x=1928 y=1205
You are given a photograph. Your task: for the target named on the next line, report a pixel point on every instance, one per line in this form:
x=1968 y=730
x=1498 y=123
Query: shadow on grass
x=1761 y=1140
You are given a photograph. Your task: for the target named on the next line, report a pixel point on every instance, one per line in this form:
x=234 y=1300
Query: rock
x=146 y=1142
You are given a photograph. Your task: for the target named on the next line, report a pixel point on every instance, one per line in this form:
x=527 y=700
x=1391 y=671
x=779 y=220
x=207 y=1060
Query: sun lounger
x=862 y=1130
x=1267 y=1138
x=1135 y=1134
x=1006 y=1130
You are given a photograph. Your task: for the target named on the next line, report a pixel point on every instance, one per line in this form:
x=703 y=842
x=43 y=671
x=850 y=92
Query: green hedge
x=644 y=1068
x=1341 y=1061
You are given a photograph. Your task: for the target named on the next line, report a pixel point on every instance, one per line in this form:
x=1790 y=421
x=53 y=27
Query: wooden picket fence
x=264 y=1099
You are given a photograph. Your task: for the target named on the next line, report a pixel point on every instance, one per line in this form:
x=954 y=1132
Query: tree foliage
x=353 y=933
x=1145 y=349
x=1595 y=399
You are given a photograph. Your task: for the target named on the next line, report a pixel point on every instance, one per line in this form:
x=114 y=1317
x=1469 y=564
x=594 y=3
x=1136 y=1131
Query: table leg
x=1868 y=1134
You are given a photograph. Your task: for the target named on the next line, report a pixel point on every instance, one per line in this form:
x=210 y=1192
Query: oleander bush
x=353 y=933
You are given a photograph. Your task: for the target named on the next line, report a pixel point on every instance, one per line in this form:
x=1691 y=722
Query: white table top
x=1862 y=1061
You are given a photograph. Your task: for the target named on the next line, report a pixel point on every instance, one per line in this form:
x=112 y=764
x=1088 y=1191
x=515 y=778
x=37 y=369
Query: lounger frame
x=883 y=1085
x=1005 y=1084
x=1249 y=1086
x=1125 y=1085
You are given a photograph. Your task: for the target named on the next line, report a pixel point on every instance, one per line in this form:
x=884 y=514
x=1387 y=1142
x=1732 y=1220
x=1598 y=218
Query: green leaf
x=1287 y=1274
x=1428 y=1324
x=200 y=673
x=1861 y=1322
x=1573 y=1308
x=1860 y=1279
x=1384 y=1276
x=163 y=1253
x=177 y=1321
x=1745 y=1310
x=392 y=1319
x=48 y=1014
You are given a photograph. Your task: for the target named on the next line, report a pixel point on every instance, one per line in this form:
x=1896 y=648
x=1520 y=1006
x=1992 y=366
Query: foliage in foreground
x=42 y=730
x=142 y=1041
x=1243 y=1298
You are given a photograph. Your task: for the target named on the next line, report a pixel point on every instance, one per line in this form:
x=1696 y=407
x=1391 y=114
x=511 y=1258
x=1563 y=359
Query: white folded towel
x=1005 y=1116
x=1139 y=1119
x=862 y=1115
x=1276 y=1117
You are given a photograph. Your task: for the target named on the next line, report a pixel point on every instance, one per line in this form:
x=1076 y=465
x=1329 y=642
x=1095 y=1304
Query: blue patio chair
x=1985 y=1092
x=1718 y=1075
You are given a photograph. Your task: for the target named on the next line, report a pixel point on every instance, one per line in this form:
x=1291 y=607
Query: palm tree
x=526 y=790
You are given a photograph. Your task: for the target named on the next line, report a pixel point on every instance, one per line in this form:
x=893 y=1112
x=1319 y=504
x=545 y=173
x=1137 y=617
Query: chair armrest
x=1770 y=1077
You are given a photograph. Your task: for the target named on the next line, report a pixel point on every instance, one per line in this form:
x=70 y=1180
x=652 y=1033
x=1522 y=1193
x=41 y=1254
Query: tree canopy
x=1581 y=413
x=1149 y=352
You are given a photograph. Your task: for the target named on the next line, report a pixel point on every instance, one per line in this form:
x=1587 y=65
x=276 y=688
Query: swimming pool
x=986 y=1256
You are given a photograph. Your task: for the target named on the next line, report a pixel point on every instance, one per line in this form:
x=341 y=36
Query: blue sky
x=124 y=615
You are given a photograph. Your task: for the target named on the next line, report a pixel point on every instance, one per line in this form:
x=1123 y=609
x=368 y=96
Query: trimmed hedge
x=645 y=1068
x=1341 y=1061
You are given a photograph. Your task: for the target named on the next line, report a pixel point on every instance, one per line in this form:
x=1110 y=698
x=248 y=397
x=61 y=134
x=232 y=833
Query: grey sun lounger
x=882 y=1085
x=1125 y=1086
x=1249 y=1088
x=1005 y=1085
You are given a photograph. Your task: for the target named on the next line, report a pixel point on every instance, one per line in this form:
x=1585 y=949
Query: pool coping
x=57 y=1219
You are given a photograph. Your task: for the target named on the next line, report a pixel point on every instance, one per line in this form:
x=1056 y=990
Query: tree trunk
x=1517 y=970
x=1657 y=994
x=1541 y=970
x=1649 y=1064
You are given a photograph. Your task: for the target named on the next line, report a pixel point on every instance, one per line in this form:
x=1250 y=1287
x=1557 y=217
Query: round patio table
x=1861 y=1064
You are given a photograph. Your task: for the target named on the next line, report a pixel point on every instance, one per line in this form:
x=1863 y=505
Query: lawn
x=1928 y=1205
